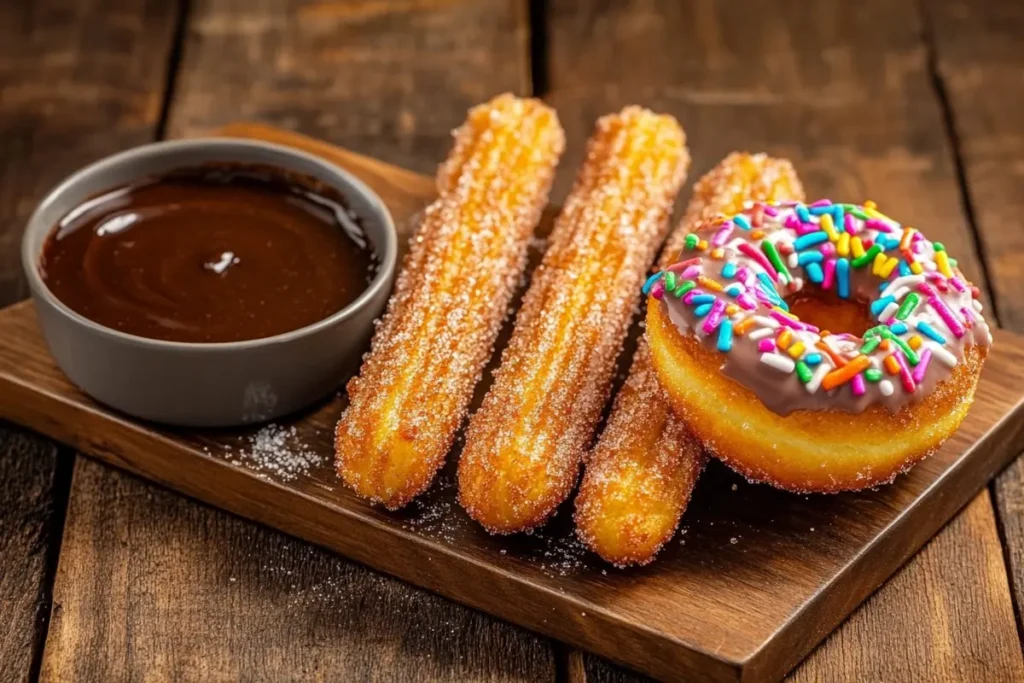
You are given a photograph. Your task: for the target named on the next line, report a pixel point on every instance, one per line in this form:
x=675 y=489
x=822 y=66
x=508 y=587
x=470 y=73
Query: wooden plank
x=980 y=64
x=79 y=81
x=714 y=608
x=979 y=58
x=30 y=521
x=391 y=78
x=156 y=587
x=890 y=620
x=844 y=90
x=968 y=635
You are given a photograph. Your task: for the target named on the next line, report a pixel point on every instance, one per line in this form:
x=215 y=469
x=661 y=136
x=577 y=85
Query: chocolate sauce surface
x=213 y=254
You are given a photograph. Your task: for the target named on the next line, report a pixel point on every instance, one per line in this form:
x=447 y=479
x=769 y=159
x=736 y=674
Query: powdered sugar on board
x=277 y=453
x=554 y=548
x=284 y=454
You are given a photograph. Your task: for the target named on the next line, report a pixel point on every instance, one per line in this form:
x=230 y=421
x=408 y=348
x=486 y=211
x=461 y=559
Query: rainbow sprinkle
x=925 y=311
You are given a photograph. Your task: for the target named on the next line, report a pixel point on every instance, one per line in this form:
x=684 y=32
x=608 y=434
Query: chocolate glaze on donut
x=729 y=292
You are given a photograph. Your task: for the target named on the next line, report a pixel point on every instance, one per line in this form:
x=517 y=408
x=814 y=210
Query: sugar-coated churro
x=453 y=292
x=639 y=477
x=524 y=447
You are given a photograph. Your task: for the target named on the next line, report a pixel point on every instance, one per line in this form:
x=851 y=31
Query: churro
x=639 y=477
x=454 y=290
x=524 y=447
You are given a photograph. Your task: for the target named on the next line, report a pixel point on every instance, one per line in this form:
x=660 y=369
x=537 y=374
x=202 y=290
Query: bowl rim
x=381 y=280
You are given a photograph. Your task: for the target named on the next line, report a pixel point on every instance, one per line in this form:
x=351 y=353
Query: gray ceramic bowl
x=207 y=385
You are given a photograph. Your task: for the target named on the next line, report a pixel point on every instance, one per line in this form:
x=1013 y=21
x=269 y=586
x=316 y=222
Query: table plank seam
x=938 y=83
x=61 y=491
x=538 y=23
x=66 y=457
x=182 y=15
x=1004 y=543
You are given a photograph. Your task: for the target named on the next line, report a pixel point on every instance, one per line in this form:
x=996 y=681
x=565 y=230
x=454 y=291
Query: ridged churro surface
x=639 y=477
x=524 y=447
x=453 y=292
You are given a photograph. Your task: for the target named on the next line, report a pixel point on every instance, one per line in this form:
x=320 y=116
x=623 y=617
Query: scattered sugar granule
x=276 y=452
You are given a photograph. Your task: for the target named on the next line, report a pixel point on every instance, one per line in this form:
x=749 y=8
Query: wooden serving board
x=754 y=581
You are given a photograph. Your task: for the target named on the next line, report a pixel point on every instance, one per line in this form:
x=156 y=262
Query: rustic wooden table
x=908 y=102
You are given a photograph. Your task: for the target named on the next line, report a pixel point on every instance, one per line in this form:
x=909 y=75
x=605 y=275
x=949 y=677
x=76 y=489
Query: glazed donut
x=738 y=332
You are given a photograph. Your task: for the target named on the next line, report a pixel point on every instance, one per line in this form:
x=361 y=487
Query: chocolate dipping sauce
x=212 y=254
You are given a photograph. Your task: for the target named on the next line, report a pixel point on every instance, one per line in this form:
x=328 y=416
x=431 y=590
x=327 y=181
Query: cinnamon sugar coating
x=451 y=296
x=640 y=475
x=524 y=447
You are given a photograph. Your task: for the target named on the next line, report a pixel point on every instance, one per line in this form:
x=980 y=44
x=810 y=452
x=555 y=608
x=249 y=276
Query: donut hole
x=825 y=310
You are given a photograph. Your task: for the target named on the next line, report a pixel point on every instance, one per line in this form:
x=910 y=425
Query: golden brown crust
x=524 y=446
x=453 y=292
x=640 y=475
x=807 y=451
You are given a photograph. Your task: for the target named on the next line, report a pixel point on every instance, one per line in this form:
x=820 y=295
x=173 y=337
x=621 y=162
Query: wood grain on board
x=883 y=640
x=845 y=91
x=762 y=577
x=77 y=81
x=981 y=67
x=370 y=75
